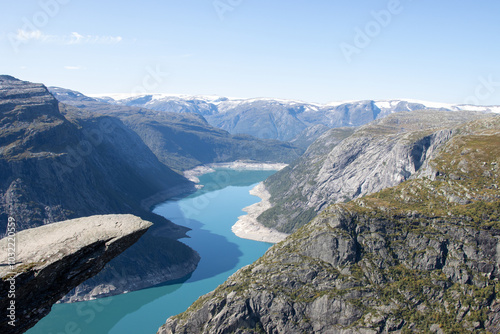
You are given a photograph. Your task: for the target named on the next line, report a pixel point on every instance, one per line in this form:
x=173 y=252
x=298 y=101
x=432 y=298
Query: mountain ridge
x=58 y=162
x=340 y=166
x=62 y=142
x=278 y=118
x=217 y=99
x=418 y=257
x=185 y=140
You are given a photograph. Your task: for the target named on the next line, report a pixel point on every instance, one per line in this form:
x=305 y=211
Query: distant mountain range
x=284 y=120
x=183 y=140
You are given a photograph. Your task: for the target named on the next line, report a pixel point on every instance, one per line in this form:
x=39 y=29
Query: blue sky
x=316 y=51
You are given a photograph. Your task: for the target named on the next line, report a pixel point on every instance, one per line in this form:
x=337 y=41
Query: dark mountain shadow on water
x=218 y=255
x=101 y=315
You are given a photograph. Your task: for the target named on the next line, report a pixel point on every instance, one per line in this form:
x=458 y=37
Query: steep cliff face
x=50 y=260
x=338 y=167
x=419 y=257
x=310 y=134
x=58 y=162
x=280 y=119
x=185 y=140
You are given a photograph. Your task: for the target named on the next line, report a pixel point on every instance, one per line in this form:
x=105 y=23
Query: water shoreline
x=247 y=226
x=193 y=174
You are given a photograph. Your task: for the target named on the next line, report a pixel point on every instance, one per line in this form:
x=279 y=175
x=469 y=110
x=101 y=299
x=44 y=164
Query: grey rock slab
x=51 y=260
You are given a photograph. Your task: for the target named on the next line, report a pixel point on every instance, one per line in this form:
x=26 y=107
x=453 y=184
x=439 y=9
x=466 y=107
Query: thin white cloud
x=23 y=35
x=73 y=39
x=77 y=38
x=73 y=68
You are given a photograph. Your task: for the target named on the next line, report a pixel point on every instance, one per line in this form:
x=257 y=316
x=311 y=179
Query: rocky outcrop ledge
x=50 y=260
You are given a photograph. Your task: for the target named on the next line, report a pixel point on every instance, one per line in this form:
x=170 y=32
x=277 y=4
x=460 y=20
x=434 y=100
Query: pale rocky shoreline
x=247 y=226
x=193 y=174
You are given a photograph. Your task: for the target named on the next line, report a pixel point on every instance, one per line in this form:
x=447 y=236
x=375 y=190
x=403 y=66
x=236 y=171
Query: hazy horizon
x=316 y=52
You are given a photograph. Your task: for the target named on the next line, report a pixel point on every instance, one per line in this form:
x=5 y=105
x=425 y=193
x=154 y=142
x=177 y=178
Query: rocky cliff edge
x=48 y=261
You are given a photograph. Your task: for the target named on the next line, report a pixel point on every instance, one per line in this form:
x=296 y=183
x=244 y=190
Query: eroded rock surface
x=340 y=166
x=419 y=257
x=50 y=260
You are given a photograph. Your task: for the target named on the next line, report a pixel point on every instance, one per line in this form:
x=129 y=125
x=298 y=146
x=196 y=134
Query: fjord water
x=210 y=213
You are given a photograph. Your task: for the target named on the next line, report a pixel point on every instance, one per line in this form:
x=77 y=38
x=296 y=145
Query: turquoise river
x=209 y=213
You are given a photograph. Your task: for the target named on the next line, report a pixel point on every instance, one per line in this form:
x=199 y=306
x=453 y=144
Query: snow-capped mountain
x=270 y=118
x=398 y=104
